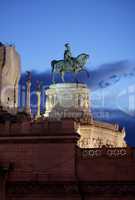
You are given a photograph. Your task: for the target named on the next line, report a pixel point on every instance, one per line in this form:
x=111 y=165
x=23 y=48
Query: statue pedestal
x=67 y=100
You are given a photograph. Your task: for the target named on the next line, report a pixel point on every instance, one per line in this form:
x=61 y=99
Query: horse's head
x=82 y=59
x=86 y=56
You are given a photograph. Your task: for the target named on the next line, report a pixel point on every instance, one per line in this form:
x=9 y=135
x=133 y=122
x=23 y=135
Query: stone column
x=38 y=93
x=28 y=83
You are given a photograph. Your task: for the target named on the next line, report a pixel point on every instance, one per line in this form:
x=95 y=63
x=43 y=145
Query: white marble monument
x=67 y=100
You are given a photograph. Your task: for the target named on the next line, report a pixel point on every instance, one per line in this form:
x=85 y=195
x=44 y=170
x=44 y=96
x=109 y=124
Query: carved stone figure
x=9 y=77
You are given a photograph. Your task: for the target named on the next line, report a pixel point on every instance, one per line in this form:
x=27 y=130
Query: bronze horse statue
x=69 y=64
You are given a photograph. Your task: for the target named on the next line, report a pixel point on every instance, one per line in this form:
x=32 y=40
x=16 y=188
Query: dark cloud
x=108 y=74
x=103 y=76
x=100 y=77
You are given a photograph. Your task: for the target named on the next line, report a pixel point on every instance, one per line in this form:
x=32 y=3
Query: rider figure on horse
x=68 y=55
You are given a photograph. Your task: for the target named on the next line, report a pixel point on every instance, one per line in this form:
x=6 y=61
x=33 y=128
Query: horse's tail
x=52 y=65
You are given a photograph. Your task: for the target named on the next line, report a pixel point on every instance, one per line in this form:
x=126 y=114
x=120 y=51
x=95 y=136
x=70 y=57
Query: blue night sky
x=105 y=29
x=39 y=28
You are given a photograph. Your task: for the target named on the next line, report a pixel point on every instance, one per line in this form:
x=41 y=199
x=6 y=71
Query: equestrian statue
x=69 y=64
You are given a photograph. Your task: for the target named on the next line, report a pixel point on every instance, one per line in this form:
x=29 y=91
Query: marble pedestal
x=67 y=100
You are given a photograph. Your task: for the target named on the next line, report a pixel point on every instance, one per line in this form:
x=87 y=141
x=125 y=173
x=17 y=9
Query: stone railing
x=108 y=152
x=105 y=125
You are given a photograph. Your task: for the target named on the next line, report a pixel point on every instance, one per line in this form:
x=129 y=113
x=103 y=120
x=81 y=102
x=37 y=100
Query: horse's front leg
x=53 y=78
x=62 y=75
x=75 y=76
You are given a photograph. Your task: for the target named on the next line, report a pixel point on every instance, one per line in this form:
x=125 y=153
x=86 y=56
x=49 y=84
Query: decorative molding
x=112 y=153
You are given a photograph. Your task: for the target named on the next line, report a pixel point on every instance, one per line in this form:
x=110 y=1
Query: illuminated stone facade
x=71 y=100
x=9 y=77
x=96 y=134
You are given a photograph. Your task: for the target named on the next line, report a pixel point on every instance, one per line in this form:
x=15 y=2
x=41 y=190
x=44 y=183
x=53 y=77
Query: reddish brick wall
x=48 y=165
x=39 y=162
x=102 y=169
